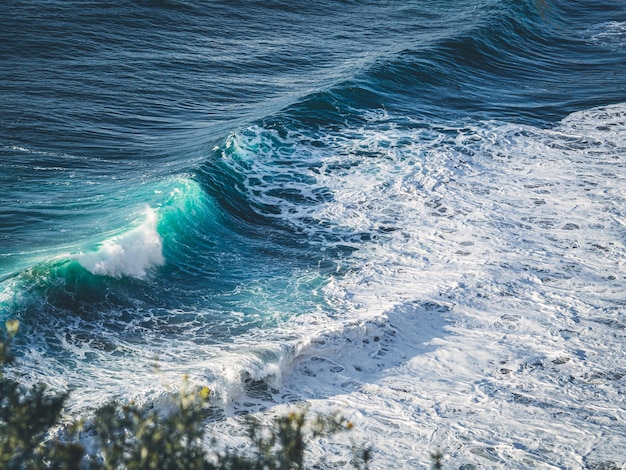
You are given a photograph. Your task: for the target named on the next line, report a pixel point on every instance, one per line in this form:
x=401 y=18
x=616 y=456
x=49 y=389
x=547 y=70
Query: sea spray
x=130 y=254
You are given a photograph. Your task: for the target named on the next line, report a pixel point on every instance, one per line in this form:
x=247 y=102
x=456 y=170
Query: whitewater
x=486 y=316
x=412 y=215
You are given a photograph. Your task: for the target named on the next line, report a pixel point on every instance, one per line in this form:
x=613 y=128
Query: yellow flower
x=12 y=326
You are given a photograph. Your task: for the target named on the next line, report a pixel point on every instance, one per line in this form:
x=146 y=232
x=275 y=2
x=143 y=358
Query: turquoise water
x=221 y=188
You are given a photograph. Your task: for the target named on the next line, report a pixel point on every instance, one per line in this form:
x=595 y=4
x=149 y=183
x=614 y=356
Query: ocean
x=412 y=213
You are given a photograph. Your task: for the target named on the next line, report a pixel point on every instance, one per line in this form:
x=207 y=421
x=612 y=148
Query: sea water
x=412 y=213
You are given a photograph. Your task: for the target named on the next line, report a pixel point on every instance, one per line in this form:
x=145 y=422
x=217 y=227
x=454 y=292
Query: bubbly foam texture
x=131 y=254
x=482 y=312
x=479 y=310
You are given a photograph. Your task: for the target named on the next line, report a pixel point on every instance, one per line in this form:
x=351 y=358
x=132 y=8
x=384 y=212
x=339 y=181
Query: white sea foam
x=486 y=315
x=611 y=34
x=130 y=254
x=482 y=312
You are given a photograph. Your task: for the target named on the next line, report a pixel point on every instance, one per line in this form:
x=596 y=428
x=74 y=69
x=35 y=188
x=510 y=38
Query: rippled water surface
x=411 y=212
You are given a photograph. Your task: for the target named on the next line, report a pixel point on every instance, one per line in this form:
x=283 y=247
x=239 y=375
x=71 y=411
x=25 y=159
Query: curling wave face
x=418 y=221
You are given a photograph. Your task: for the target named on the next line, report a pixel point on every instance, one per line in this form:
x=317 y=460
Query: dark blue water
x=170 y=171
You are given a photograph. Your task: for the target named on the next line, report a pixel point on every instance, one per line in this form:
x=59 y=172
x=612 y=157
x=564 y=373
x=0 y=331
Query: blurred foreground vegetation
x=127 y=436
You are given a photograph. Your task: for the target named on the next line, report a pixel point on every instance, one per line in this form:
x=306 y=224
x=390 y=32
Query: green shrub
x=131 y=437
x=282 y=446
x=26 y=417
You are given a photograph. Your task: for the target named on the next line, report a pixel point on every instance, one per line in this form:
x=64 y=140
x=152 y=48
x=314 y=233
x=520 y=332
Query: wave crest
x=130 y=254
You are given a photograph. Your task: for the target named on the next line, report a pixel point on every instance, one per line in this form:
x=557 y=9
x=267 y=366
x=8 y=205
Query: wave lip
x=130 y=254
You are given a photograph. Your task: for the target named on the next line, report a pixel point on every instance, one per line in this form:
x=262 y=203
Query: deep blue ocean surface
x=413 y=212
